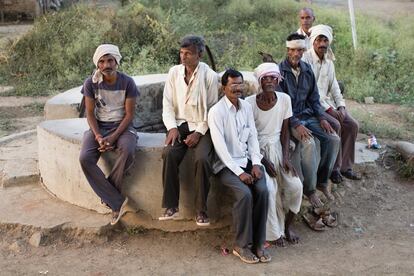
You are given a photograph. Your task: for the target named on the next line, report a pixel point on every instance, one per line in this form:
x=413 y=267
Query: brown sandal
x=315 y=223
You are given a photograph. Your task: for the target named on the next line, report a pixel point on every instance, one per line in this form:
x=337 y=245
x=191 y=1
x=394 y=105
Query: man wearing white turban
x=308 y=122
x=332 y=101
x=110 y=99
x=272 y=110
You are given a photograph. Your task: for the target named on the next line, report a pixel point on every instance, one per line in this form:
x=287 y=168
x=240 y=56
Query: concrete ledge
x=59 y=144
x=149 y=108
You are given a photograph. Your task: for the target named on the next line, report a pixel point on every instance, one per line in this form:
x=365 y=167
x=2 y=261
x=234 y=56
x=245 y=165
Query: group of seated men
x=244 y=142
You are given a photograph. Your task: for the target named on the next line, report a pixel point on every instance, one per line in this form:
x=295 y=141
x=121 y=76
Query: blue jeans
x=316 y=165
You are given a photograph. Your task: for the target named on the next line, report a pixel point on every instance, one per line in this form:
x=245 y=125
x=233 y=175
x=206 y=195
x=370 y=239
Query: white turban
x=326 y=31
x=102 y=50
x=318 y=30
x=267 y=69
x=106 y=49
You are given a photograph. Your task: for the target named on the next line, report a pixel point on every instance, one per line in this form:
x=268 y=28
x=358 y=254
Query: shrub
x=57 y=53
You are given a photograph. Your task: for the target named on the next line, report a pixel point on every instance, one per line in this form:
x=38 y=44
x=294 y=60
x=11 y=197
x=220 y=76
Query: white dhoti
x=285 y=190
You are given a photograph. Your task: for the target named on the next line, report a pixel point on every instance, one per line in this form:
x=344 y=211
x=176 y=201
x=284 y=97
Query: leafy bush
x=57 y=53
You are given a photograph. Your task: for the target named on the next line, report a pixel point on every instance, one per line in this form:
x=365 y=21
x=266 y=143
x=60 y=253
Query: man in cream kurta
x=190 y=90
x=272 y=111
x=332 y=101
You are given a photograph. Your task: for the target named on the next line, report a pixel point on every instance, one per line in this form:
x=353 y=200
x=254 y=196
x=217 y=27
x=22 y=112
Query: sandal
x=117 y=215
x=330 y=219
x=264 y=256
x=246 y=255
x=336 y=177
x=202 y=219
x=170 y=213
x=350 y=174
x=315 y=223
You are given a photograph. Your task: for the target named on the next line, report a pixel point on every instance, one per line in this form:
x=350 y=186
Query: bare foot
x=327 y=193
x=291 y=236
x=315 y=201
x=280 y=242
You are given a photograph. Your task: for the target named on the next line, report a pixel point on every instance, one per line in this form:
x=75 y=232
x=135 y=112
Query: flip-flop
x=116 y=217
x=331 y=219
x=314 y=223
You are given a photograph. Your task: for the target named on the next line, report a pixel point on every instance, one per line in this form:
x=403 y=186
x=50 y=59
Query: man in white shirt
x=190 y=90
x=332 y=101
x=239 y=167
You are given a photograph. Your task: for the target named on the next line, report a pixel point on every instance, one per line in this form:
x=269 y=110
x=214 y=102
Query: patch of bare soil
x=386 y=118
x=375 y=236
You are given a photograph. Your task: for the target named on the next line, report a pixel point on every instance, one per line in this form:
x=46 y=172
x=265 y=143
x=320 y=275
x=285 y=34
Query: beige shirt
x=324 y=70
x=189 y=103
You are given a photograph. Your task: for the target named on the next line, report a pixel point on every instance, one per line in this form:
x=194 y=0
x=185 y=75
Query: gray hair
x=193 y=40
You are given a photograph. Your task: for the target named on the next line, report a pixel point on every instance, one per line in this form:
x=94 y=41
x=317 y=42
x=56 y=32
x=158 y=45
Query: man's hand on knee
x=172 y=136
x=256 y=172
x=326 y=126
x=192 y=139
x=304 y=133
x=246 y=178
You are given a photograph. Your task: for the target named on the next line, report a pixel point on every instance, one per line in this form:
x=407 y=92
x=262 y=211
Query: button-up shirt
x=190 y=102
x=234 y=135
x=303 y=92
x=324 y=70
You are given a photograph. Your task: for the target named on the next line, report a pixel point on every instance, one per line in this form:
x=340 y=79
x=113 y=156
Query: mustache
x=323 y=47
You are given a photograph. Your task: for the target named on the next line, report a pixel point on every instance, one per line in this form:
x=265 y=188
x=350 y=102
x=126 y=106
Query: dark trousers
x=250 y=208
x=108 y=188
x=348 y=131
x=172 y=157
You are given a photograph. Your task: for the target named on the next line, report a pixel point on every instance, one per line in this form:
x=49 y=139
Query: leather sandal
x=350 y=174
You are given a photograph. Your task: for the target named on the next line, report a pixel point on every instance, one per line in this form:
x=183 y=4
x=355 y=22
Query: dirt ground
x=375 y=235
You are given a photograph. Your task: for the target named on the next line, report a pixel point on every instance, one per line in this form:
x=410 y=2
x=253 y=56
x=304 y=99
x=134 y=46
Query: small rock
x=369 y=100
x=358 y=230
x=36 y=239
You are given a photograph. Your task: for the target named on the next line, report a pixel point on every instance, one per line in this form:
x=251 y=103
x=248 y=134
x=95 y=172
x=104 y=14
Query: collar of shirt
x=316 y=58
x=182 y=72
x=230 y=105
